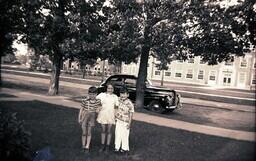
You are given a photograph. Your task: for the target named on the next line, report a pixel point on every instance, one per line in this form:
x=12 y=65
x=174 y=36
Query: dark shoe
x=116 y=151
x=86 y=151
x=124 y=152
x=102 y=148
x=107 y=149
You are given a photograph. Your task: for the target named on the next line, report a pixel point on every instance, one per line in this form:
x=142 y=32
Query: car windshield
x=127 y=81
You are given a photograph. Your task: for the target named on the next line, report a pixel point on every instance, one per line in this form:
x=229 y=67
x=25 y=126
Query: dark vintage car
x=157 y=99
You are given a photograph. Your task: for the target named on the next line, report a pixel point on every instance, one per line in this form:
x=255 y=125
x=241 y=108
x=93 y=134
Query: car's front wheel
x=156 y=106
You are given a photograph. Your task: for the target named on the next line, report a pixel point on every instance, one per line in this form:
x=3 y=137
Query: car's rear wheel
x=155 y=106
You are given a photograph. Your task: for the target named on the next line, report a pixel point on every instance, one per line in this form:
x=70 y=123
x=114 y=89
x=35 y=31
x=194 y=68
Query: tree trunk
x=162 y=79
x=0 y=70
x=84 y=70
x=103 y=71
x=140 y=86
x=54 y=82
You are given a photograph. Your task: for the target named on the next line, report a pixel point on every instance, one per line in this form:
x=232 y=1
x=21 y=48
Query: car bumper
x=170 y=107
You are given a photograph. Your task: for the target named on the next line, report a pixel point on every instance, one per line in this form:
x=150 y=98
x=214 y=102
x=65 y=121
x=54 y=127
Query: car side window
x=116 y=81
x=130 y=82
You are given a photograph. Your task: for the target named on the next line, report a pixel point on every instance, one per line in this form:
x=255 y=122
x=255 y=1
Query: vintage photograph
x=127 y=80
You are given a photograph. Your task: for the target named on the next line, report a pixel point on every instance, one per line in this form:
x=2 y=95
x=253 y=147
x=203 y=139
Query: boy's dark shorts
x=89 y=119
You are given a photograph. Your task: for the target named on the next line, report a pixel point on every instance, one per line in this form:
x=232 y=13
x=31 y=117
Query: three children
x=111 y=111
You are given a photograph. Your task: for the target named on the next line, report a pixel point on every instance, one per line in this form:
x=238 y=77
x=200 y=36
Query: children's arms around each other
x=80 y=119
x=131 y=111
x=130 y=120
x=98 y=109
x=81 y=111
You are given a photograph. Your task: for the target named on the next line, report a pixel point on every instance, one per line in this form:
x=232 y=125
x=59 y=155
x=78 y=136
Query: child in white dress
x=106 y=116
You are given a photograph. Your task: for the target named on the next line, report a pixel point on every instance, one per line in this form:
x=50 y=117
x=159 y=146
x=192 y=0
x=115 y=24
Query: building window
x=200 y=75
x=189 y=74
x=229 y=63
x=243 y=63
x=242 y=78
x=212 y=76
x=157 y=72
x=168 y=74
x=178 y=74
x=133 y=69
x=125 y=69
x=253 y=79
x=201 y=61
x=254 y=64
x=191 y=60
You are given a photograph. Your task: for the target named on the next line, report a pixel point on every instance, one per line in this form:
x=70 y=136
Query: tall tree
x=62 y=29
x=11 y=24
x=86 y=27
x=184 y=29
x=121 y=35
x=47 y=28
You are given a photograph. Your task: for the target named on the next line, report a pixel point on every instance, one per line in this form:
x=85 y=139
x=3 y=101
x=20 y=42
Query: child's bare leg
x=109 y=134
x=84 y=128
x=103 y=134
x=89 y=136
x=103 y=137
x=109 y=126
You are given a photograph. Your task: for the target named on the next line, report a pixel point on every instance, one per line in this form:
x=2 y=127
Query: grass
x=38 y=88
x=56 y=127
x=75 y=94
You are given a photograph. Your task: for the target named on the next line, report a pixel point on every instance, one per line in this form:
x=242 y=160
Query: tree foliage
x=183 y=29
x=63 y=29
x=121 y=34
x=11 y=24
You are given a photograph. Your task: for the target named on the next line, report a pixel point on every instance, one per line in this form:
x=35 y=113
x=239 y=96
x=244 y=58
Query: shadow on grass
x=6 y=95
x=38 y=88
x=56 y=127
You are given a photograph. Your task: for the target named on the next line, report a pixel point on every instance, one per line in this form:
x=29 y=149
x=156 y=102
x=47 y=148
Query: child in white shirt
x=123 y=122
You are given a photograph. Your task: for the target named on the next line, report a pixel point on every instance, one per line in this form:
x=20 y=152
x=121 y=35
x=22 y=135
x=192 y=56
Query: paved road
x=19 y=78
x=184 y=88
x=160 y=121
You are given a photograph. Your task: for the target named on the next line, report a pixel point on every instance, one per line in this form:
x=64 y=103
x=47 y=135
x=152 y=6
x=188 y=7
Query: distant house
x=238 y=74
x=96 y=69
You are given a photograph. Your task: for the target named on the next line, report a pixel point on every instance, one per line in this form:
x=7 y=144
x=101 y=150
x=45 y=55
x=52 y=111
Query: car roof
x=124 y=76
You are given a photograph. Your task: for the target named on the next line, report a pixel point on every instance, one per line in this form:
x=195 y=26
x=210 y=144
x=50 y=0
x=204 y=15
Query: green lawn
x=56 y=127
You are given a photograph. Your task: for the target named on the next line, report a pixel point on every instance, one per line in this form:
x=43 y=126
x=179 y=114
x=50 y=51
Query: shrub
x=14 y=140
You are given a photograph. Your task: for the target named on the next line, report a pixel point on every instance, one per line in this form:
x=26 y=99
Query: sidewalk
x=156 y=120
x=185 y=100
